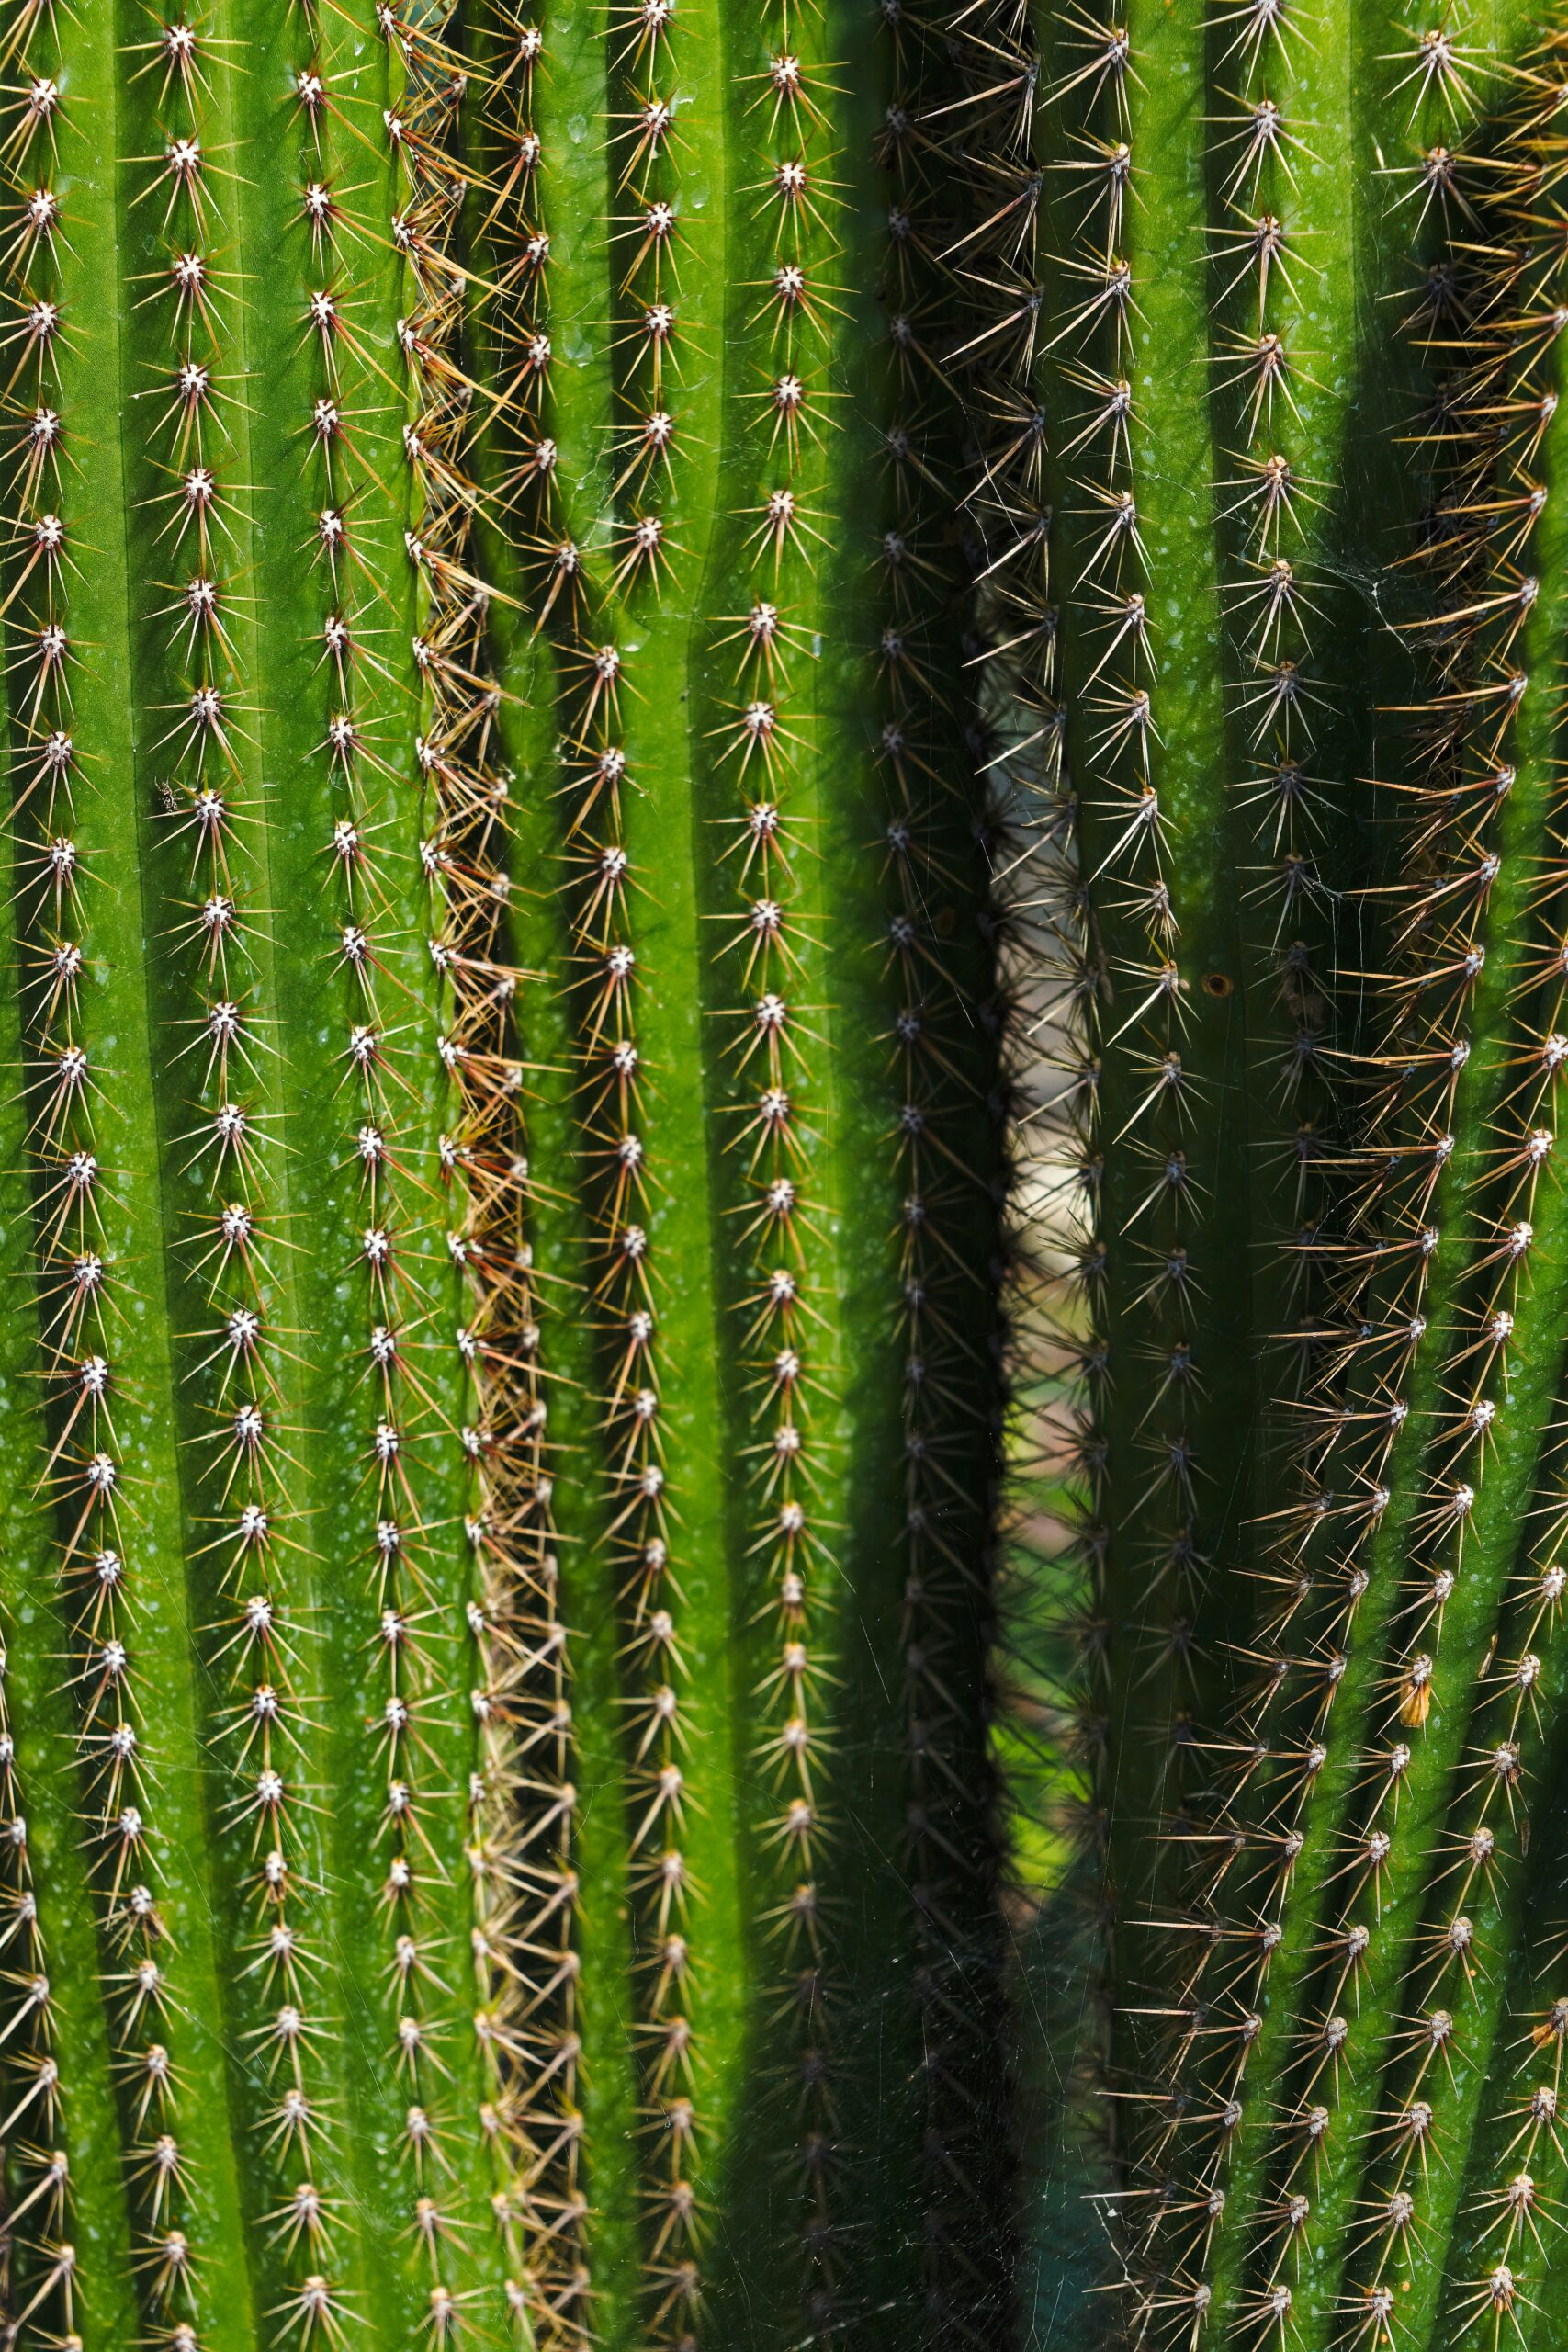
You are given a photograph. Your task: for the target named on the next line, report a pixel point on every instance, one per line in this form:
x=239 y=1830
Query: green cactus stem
x=505 y=1378
x=270 y=1550
x=1290 y=282
x=749 y=823
x=1418 y=1935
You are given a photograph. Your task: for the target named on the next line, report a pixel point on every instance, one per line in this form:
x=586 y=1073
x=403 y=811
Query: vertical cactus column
x=768 y=1170
x=501 y=1474
x=1173 y=393
x=266 y=1569
x=1333 y=2065
x=1402 y=1937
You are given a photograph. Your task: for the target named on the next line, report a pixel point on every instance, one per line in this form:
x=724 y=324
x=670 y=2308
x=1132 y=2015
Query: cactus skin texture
x=1295 y=293
x=771 y=1170
x=503 y=1390
x=269 y=1533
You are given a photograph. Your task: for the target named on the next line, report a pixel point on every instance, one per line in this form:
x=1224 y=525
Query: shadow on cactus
x=502 y=1370
x=1290 y=693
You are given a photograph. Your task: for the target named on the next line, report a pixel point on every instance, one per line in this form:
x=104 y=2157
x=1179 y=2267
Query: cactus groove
x=1292 y=677
x=503 y=1378
x=268 y=1554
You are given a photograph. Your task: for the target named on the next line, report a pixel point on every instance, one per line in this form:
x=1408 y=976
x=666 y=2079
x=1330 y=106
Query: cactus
x=261 y=1536
x=1279 y=614
x=757 y=857
x=504 y=1183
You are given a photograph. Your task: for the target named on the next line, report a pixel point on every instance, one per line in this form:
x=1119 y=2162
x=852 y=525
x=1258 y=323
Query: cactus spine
x=261 y=1546
x=506 y=1181
x=1320 y=1501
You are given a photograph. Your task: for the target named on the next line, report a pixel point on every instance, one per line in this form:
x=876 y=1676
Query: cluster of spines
x=511 y=241
x=633 y=1460
x=1449 y=1320
x=768 y=952
x=1276 y=511
x=516 y=1702
x=522 y=1921
x=1135 y=1084
x=1048 y=1629
x=1190 y=1970
x=1263 y=1755
x=1297 y=1813
x=1400 y=1426
x=223 y=1044
x=79 y=1304
x=38 y=2271
x=517 y=1848
x=1134 y=1098
x=1072 y=637
x=37 y=2260
x=583 y=603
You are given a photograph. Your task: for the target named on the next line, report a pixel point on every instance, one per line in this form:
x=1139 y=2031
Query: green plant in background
x=499 y=1839
x=1271 y=486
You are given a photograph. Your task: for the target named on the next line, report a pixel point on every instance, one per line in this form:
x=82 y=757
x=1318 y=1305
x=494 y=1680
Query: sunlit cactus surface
x=504 y=1197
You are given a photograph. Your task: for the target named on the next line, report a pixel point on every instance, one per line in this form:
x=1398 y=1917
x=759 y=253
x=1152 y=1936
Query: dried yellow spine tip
x=748 y=814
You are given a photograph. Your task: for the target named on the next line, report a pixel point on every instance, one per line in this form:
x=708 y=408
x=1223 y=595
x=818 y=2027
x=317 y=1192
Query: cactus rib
x=1325 y=1903
x=255 y=1462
